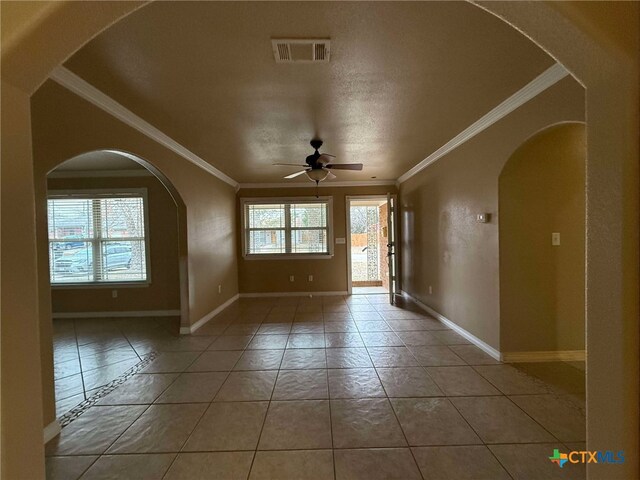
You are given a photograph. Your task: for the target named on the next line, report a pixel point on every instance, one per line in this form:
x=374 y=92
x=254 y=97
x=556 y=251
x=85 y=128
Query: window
x=98 y=237
x=287 y=228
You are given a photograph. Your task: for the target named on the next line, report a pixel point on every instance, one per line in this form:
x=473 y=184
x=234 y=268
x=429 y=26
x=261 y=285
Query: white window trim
x=287 y=200
x=106 y=192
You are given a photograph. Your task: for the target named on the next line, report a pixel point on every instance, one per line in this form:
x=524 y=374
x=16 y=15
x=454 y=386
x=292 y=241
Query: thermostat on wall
x=483 y=218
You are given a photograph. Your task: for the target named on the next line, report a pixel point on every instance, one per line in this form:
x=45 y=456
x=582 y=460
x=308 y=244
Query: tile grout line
x=333 y=450
x=75 y=334
x=395 y=415
x=266 y=413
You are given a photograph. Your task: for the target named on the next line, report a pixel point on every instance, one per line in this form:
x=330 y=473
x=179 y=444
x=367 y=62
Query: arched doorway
x=611 y=81
x=114 y=233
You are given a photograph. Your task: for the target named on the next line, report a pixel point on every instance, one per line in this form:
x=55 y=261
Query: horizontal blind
x=286 y=227
x=97 y=238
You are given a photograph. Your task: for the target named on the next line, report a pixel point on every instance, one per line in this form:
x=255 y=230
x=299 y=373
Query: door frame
x=347 y=202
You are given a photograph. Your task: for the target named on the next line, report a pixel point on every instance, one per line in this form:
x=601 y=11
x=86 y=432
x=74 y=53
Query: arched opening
x=542 y=269
x=612 y=224
x=542 y=243
x=115 y=239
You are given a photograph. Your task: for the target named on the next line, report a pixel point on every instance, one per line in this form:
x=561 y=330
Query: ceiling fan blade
x=344 y=166
x=289 y=165
x=293 y=175
x=325 y=158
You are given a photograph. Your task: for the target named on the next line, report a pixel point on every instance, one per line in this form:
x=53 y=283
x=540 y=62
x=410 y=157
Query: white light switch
x=555 y=238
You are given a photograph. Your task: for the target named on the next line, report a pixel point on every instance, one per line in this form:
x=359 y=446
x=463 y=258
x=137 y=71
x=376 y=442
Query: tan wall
x=542 y=190
x=163 y=293
x=22 y=395
x=262 y=276
x=65 y=126
x=442 y=244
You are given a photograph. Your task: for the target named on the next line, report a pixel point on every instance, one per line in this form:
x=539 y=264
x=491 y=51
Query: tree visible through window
x=286 y=227
x=97 y=237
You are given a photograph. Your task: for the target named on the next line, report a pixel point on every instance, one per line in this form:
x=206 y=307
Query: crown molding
x=83 y=89
x=546 y=79
x=330 y=184
x=141 y=172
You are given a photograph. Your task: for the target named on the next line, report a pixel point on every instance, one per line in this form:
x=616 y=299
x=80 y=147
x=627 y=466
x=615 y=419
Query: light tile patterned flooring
x=309 y=388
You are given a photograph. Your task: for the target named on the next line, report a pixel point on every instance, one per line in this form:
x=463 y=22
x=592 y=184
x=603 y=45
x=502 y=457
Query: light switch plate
x=555 y=239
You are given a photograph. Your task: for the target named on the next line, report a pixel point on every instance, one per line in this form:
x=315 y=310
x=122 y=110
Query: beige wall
x=163 y=293
x=442 y=244
x=22 y=397
x=65 y=126
x=329 y=275
x=541 y=191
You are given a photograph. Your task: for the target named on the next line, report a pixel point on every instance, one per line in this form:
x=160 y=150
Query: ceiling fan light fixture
x=317 y=175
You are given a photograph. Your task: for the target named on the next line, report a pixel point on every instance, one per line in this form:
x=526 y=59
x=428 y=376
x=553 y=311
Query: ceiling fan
x=318 y=166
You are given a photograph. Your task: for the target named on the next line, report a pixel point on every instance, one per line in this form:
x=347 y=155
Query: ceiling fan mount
x=316 y=143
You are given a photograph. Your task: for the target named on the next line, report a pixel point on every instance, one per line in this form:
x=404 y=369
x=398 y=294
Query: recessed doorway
x=370 y=245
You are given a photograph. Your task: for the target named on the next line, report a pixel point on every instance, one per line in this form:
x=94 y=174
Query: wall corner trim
x=545 y=356
x=190 y=329
x=546 y=79
x=488 y=349
x=84 y=89
x=51 y=431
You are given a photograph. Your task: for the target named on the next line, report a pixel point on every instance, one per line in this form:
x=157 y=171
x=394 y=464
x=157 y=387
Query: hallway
x=323 y=387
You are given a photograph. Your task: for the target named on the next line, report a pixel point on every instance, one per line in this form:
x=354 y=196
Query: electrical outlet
x=430 y=290
x=114 y=293
x=311 y=278
x=291 y=278
x=219 y=288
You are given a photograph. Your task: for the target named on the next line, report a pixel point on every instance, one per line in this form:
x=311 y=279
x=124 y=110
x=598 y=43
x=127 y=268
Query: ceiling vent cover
x=301 y=50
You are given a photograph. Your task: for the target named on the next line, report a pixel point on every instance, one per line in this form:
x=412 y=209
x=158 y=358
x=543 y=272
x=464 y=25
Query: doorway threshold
x=369 y=290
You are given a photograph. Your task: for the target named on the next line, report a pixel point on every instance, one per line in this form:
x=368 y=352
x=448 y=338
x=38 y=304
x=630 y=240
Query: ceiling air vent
x=301 y=50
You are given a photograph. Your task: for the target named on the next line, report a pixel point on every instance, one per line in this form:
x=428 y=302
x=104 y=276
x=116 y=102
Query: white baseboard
x=120 y=314
x=488 y=349
x=51 y=431
x=190 y=329
x=292 y=294
x=541 y=356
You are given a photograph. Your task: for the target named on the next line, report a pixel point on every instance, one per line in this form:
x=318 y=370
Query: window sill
x=292 y=256
x=65 y=286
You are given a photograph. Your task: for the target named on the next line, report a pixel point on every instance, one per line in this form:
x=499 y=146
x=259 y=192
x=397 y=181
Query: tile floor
x=90 y=353
x=309 y=388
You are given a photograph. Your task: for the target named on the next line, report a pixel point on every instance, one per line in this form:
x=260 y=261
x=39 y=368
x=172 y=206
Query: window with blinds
x=98 y=237
x=277 y=227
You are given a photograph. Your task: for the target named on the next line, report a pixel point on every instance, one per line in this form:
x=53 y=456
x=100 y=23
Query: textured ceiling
x=404 y=78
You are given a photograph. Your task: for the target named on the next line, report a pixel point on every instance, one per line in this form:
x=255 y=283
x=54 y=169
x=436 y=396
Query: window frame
x=244 y=202
x=97 y=193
